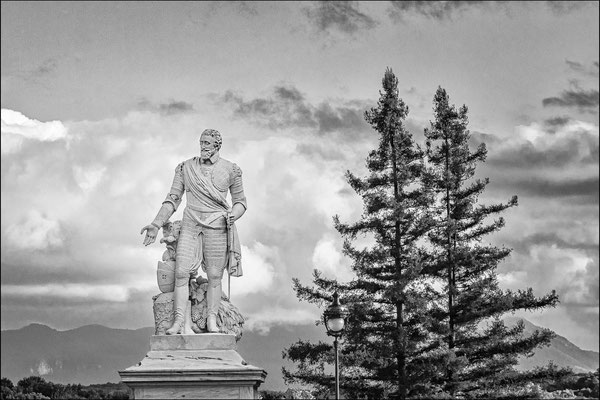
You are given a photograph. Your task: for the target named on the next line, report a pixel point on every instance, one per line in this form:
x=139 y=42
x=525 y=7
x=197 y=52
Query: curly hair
x=215 y=134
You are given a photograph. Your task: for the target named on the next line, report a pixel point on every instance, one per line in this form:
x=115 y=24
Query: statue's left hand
x=151 y=233
x=230 y=219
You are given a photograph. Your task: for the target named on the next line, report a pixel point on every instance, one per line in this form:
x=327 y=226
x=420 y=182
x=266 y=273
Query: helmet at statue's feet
x=211 y=323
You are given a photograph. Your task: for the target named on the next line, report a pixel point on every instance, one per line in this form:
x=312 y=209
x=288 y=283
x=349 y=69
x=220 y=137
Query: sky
x=102 y=100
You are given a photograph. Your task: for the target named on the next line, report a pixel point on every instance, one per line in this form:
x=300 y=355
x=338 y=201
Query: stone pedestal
x=203 y=366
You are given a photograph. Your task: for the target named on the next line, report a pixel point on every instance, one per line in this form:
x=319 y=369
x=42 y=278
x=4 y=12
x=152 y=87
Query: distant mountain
x=94 y=353
x=561 y=351
x=86 y=355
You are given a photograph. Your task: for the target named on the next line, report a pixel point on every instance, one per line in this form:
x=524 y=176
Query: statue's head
x=210 y=143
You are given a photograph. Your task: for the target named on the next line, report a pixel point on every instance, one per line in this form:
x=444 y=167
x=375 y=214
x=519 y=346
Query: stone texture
x=204 y=341
x=205 y=366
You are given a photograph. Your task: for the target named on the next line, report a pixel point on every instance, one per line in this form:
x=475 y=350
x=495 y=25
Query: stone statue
x=229 y=318
x=206 y=237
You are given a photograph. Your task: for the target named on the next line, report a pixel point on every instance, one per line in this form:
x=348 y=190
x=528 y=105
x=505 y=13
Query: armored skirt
x=202 y=242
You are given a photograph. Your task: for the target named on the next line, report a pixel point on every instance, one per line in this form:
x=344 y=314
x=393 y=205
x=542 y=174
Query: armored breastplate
x=221 y=176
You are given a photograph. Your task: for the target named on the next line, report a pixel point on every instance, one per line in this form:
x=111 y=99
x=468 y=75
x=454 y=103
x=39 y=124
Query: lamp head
x=335 y=316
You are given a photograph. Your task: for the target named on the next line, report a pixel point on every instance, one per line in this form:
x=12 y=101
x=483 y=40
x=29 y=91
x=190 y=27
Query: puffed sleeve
x=177 y=188
x=237 y=188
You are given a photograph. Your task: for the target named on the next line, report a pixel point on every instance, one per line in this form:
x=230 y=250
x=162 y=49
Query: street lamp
x=334 y=317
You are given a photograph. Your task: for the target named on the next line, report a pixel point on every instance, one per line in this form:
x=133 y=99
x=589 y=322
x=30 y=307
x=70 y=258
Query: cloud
x=557 y=143
x=556 y=122
x=578 y=67
x=564 y=7
x=16 y=128
x=75 y=291
x=35 y=232
x=172 y=107
x=442 y=10
x=175 y=107
x=328 y=258
x=553 y=168
x=47 y=67
x=286 y=107
x=432 y=9
x=585 y=189
x=584 y=100
x=243 y=7
x=573 y=273
x=258 y=264
x=343 y=16
x=557 y=239
x=36 y=74
x=88 y=178
x=262 y=321
x=103 y=180
x=99 y=184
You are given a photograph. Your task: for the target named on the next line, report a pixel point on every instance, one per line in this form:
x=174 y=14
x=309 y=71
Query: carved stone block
x=193 y=366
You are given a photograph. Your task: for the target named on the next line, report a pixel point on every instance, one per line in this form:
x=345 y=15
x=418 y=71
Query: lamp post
x=334 y=317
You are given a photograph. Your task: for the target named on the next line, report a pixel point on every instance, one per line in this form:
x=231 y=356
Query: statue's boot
x=213 y=300
x=181 y=294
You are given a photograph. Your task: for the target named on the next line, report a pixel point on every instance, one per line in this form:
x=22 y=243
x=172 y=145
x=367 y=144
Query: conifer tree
x=481 y=350
x=386 y=330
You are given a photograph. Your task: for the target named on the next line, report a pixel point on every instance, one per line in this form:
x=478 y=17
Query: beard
x=205 y=154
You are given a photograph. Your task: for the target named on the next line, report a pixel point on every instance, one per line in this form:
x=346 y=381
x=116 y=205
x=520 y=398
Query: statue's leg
x=215 y=251
x=186 y=250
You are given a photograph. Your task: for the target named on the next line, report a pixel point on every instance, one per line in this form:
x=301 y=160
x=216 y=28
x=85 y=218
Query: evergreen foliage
x=386 y=330
x=481 y=350
x=425 y=305
x=36 y=387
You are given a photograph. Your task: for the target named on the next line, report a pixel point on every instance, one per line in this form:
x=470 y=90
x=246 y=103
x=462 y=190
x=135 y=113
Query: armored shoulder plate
x=236 y=171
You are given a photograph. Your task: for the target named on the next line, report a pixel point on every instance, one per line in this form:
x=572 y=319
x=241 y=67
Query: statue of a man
x=208 y=235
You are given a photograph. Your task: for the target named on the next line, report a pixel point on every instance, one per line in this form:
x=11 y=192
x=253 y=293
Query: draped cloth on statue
x=201 y=187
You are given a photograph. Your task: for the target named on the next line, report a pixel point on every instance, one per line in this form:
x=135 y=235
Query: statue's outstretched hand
x=151 y=232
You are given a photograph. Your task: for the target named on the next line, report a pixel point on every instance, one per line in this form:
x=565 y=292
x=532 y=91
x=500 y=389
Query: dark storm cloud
x=576 y=97
x=175 y=107
x=341 y=15
x=442 y=10
x=432 y=9
x=579 y=149
x=33 y=267
x=170 y=108
x=550 y=239
x=582 y=69
x=564 y=7
x=585 y=189
x=287 y=107
x=528 y=156
x=556 y=122
x=488 y=139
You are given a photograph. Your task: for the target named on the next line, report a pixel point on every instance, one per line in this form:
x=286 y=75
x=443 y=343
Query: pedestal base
x=203 y=366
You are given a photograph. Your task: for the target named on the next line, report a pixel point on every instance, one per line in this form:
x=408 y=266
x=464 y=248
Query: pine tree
x=481 y=350
x=387 y=327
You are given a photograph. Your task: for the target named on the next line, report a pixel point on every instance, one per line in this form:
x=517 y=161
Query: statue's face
x=208 y=146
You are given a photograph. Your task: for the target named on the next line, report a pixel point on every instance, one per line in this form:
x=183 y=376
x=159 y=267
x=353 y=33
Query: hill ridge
x=94 y=353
